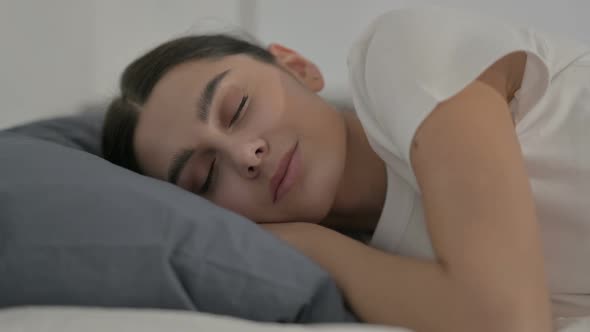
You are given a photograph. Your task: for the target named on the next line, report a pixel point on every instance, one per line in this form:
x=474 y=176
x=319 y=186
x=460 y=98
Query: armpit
x=505 y=75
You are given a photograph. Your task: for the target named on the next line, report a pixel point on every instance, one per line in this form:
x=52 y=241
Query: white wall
x=58 y=55
x=46 y=57
x=123 y=29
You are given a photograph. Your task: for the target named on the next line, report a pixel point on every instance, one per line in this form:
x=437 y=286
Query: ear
x=301 y=68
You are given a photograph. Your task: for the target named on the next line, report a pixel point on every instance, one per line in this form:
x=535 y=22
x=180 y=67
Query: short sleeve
x=409 y=60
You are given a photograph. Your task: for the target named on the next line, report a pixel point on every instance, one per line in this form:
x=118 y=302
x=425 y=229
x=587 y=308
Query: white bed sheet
x=75 y=319
x=88 y=319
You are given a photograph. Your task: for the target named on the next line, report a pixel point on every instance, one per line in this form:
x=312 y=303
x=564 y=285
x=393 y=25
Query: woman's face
x=246 y=135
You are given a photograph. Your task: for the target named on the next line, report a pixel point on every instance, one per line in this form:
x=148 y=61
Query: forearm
x=387 y=289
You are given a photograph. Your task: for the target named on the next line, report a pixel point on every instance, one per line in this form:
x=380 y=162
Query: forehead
x=169 y=114
x=184 y=82
x=186 y=78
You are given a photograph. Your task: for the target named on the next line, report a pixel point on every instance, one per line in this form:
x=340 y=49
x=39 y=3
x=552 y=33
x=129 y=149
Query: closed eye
x=239 y=111
x=205 y=188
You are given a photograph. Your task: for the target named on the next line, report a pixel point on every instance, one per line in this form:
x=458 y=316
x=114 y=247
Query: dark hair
x=140 y=77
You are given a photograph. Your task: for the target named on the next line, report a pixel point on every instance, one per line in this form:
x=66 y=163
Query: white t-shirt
x=409 y=60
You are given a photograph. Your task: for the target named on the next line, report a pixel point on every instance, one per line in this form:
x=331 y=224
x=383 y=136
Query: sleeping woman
x=467 y=157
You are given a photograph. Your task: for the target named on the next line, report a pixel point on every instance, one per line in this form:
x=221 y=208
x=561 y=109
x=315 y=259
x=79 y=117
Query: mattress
x=90 y=319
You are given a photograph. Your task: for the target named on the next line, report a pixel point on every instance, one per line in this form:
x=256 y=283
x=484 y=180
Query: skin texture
x=282 y=110
x=489 y=273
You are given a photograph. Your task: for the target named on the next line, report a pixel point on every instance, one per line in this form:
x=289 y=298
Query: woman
x=466 y=156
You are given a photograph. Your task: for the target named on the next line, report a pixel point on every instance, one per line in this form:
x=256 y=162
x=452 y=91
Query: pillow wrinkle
x=78 y=230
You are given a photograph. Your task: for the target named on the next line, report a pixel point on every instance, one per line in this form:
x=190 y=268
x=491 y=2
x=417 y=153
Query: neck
x=361 y=192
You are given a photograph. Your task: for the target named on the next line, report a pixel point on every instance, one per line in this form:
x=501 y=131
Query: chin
x=315 y=204
x=315 y=199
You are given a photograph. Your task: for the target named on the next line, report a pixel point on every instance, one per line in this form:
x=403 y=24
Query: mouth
x=285 y=175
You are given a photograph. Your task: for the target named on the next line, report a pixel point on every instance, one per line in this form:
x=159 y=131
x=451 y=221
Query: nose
x=248 y=157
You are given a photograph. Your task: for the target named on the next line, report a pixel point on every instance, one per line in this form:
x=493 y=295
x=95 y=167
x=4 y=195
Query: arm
x=489 y=275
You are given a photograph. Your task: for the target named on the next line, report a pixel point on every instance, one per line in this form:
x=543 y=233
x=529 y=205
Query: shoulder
x=431 y=20
x=433 y=46
x=437 y=51
x=410 y=60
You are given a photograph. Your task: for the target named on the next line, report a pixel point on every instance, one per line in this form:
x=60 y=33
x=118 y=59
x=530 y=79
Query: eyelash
x=239 y=111
x=207 y=183
x=236 y=116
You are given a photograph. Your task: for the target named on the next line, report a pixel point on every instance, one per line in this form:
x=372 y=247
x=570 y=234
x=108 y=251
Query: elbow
x=494 y=302
x=506 y=313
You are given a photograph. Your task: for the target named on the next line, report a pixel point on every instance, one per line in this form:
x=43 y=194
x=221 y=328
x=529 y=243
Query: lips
x=286 y=169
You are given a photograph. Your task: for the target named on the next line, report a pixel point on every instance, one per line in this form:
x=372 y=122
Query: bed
x=87 y=246
x=62 y=319
x=73 y=319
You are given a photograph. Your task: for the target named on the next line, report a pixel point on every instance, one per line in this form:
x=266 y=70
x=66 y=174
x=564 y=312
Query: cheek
x=270 y=103
x=239 y=196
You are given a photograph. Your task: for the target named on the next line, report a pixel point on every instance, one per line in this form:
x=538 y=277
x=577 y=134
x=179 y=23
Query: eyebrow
x=206 y=99
x=181 y=157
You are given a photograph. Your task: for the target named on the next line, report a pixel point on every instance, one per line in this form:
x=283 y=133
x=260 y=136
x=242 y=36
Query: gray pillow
x=78 y=230
x=79 y=131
